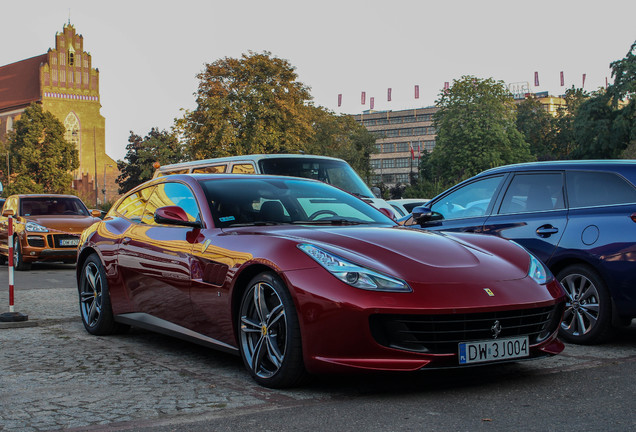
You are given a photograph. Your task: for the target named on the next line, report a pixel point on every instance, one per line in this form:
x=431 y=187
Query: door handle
x=546 y=230
x=125 y=240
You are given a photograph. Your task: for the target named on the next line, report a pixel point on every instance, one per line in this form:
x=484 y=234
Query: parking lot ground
x=56 y=376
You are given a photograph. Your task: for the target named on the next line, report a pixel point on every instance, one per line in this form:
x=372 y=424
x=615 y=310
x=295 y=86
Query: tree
x=605 y=124
x=564 y=122
x=538 y=128
x=41 y=159
x=342 y=137
x=475 y=130
x=249 y=105
x=141 y=153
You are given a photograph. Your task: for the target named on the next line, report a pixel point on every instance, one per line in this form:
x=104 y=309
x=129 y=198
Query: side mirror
x=174 y=215
x=422 y=214
x=376 y=191
x=97 y=213
x=8 y=212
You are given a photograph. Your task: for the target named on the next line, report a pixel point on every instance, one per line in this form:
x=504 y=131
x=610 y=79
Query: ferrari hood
x=419 y=255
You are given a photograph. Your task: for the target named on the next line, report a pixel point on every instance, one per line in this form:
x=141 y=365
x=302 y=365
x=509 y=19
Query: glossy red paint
x=194 y=277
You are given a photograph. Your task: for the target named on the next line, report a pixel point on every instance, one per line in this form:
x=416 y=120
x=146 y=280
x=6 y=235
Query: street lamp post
x=104 y=184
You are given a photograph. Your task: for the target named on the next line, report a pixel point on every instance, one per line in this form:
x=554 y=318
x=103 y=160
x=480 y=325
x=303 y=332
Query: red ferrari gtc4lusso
x=299 y=277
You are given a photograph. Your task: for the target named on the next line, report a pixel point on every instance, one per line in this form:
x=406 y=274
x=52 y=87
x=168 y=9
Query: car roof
x=45 y=196
x=608 y=164
x=251 y=158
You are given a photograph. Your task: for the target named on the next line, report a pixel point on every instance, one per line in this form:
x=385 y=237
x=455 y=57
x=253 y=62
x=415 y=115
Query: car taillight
x=633 y=216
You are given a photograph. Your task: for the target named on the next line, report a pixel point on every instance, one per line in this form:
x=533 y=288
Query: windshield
x=40 y=206
x=264 y=201
x=335 y=172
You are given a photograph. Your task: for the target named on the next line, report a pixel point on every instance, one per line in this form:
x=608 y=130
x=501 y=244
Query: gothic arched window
x=72 y=125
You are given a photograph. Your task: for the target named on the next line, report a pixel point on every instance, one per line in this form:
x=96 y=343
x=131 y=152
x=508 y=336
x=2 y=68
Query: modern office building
x=401 y=138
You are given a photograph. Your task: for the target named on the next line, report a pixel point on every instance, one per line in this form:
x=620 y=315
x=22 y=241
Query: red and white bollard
x=11 y=315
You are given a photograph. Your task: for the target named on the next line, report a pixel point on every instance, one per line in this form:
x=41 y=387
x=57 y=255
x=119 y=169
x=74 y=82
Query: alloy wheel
x=263 y=330
x=91 y=295
x=582 y=306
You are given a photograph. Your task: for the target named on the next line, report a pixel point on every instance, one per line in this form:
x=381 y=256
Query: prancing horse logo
x=496 y=329
x=489 y=292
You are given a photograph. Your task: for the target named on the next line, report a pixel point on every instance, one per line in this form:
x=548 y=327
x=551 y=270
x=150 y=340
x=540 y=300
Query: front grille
x=56 y=239
x=441 y=334
x=35 y=241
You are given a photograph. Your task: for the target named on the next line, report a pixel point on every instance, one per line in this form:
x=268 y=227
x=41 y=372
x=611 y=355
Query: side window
x=132 y=207
x=532 y=193
x=216 y=169
x=171 y=194
x=471 y=200
x=246 y=168
x=589 y=189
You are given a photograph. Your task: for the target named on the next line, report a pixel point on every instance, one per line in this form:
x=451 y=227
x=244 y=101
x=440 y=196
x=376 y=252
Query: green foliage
x=605 y=124
x=476 y=130
x=342 y=137
x=142 y=153
x=565 y=142
x=255 y=105
x=41 y=159
x=249 y=105
x=538 y=128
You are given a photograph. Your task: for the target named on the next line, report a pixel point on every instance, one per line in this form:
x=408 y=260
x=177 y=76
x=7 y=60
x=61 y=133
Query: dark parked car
x=298 y=276
x=578 y=217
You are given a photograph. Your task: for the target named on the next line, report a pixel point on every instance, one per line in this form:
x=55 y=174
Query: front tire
x=18 y=257
x=588 y=309
x=269 y=333
x=94 y=299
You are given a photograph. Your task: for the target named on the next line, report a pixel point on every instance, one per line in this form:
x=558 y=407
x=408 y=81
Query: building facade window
x=402 y=146
x=402 y=162
x=402 y=177
x=72 y=126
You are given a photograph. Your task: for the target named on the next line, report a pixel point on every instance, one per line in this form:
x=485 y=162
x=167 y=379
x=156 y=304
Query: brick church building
x=66 y=84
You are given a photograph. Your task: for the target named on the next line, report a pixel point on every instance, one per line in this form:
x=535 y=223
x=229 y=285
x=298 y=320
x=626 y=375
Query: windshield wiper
x=330 y=222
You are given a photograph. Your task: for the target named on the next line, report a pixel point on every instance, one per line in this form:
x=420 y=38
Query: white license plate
x=69 y=242
x=493 y=350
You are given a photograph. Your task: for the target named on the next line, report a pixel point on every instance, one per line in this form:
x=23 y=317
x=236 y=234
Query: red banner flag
x=583 y=81
x=363 y=98
x=371 y=102
x=339 y=99
x=412 y=150
x=388 y=94
x=606 y=82
x=417 y=92
x=446 y=85
x=536 y=79
x=562 y=79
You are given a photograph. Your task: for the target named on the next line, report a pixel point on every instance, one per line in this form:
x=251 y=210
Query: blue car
x=578 y=217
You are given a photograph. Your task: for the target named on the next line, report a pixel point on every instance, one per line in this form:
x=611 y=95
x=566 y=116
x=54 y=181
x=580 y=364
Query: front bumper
x=48 y=246
x=339 y=323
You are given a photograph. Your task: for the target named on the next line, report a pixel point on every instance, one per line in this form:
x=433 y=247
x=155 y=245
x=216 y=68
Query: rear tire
x=588 y=308
x=269 y=333
x=94 y=300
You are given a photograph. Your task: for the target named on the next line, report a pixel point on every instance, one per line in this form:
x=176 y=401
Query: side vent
x=214 y=273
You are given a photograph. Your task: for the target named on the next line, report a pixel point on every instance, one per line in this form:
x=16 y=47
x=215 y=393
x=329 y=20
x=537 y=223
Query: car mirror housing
x=8 y=212
x=422 y=214
x=174 y=215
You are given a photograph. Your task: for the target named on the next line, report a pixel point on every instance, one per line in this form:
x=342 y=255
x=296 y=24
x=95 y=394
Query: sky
x=149 y=52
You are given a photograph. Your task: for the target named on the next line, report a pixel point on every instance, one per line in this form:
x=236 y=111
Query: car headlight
x=33 y=227
x=353 y=274
x=537 y=271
